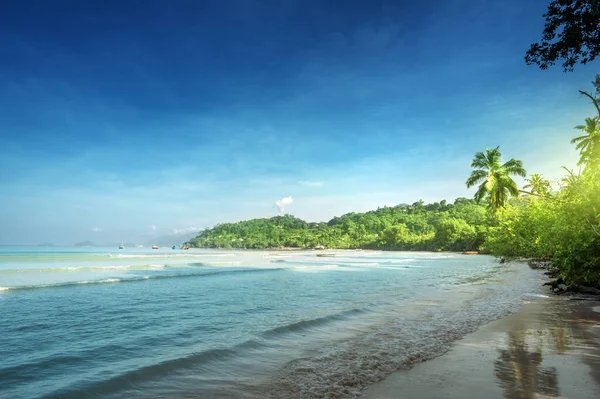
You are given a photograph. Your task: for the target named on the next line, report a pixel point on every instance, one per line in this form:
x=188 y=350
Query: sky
x=128 y=120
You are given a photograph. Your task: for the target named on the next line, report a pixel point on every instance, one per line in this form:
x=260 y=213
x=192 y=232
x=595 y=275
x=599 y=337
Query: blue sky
x=125 y=120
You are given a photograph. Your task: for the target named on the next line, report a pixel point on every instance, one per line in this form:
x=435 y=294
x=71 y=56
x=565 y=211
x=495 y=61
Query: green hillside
x=440 y=226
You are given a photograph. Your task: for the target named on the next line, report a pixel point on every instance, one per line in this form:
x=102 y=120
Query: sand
x=551 y=348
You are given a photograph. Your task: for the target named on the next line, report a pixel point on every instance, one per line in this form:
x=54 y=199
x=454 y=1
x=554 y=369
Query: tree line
x=439 y=226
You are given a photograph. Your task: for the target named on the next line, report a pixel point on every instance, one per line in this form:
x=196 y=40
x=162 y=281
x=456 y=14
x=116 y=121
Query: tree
x=537 y=184
x=571 y=33
x=453 y=234
x=589 y=143
x=496 y=184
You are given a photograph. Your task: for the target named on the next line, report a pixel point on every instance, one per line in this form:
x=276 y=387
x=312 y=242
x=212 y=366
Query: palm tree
x=496 y=184
x=589 y=143
x=537 y=184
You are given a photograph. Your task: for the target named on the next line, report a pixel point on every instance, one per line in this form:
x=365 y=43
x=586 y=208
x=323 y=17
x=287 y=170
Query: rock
x=563 y=287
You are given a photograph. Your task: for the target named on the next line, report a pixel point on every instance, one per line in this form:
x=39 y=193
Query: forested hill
x=440 y=226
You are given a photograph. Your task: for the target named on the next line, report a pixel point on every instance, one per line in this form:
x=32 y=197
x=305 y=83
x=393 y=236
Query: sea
x=140 y=323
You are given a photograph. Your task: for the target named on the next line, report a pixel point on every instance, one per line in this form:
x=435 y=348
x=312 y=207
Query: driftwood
x=588 y=290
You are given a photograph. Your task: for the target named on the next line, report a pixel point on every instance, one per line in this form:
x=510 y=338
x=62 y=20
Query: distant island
x=439 y=226
x=86 y=243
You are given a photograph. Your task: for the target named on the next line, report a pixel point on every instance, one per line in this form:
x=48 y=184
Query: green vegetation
x=440 y=226
x=496 y=184
x=537 y=185
x=563 y=226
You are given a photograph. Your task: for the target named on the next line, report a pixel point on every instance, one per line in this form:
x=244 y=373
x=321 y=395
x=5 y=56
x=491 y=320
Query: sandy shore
x=551 y=348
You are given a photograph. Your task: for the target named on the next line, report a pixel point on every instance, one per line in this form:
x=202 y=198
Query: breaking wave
x=137 y=278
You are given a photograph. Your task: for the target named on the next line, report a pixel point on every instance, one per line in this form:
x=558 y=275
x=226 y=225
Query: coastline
x=550 y=348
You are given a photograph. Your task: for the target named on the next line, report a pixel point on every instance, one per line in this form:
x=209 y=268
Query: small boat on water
x=155 y=247
x=175 y=247
x=122 y=245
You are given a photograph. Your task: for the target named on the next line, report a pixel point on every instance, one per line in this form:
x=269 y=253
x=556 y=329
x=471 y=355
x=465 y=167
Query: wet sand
x=551 y=348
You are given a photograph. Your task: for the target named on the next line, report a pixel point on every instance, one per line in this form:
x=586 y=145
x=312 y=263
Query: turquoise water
x=138 y=323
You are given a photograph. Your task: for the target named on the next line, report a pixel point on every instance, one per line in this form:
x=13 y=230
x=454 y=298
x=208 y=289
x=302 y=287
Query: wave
x=315 y=268
x=159 y=255
x=136 y=279
x=71 y=269
x=199 y=264
x=343 y=262
x=395 y=261
x=204 y=359
x=311 y=323
x=132 y=378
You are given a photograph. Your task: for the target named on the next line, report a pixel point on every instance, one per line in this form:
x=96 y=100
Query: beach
x=550 y=348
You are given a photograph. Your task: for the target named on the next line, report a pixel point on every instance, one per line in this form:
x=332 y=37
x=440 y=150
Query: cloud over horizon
x=281 y=203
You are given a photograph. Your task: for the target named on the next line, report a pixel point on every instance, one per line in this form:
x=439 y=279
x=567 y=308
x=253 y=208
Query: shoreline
x=549 y=348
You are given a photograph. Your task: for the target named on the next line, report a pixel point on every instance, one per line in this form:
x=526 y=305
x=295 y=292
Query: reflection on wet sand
x=561 y=329
x=551 y=348
x=519 y=370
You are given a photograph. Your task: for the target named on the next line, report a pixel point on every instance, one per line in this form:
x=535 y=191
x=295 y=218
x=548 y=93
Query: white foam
x=167 y=255
x=234 y=263
x=108 y=280
x=315 y=268
x=540 y=296
x=392 y=261
x=72 y=269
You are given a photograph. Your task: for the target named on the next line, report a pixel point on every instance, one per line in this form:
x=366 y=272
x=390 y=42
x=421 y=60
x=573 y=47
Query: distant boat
x=175 y=247
x=122 y=245
x=155 y=247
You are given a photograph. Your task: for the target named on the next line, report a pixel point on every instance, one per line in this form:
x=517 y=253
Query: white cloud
x=96 y=229
x=153 y=227
x=308 y=183
x=280 y=204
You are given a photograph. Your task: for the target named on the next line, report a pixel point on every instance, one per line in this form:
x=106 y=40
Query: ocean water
x=138 y=323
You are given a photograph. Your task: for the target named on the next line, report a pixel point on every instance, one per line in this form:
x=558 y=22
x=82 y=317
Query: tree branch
x=593 y=100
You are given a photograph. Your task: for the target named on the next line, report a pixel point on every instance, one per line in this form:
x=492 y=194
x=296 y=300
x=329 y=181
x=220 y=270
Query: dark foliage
x=571 y=34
